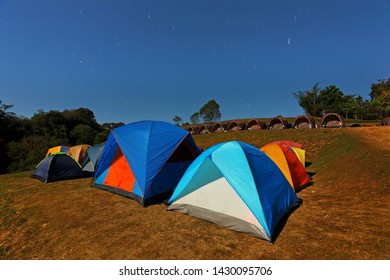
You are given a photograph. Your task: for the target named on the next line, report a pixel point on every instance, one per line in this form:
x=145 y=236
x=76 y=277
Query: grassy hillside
x=344 y=213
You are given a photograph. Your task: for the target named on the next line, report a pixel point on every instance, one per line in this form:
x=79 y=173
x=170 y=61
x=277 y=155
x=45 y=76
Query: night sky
x=135 y=60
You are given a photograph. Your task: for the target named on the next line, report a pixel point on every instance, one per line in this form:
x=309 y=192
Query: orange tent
x=56 y=149
x=78 y=152
x=289 y=163
x=288 y=143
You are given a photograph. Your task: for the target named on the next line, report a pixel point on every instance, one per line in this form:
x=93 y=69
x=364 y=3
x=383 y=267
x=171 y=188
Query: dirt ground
x=378 y=136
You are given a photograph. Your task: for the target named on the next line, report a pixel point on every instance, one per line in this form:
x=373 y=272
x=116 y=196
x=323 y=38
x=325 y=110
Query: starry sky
x=153 y=59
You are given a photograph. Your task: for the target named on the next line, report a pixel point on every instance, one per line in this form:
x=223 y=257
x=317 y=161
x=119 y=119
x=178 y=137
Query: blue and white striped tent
x=235 y=185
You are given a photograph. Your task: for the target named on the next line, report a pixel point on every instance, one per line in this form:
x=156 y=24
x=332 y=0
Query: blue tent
x=91 y=158
x=237 y=186
x=145 y=160
x=57 y=167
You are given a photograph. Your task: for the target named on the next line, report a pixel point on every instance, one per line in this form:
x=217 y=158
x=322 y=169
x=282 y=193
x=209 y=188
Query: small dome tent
x=288 y=143
x=278 y=123
x=145 y=160
x=255 y=125
x=78 y=152
x=289 y=163
x=57 y=149
x=295 y=147
x=205 y=128
x=235 y=126
x=57 y=167
x=237 y=186
x=332 y=120
x=304 y=122
x=91 y=158
x=219 y=127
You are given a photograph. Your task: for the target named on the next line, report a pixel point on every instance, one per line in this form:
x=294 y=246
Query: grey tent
x=91 y=158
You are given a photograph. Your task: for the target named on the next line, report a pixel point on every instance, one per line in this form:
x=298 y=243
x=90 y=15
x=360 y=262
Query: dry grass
x=345 y=213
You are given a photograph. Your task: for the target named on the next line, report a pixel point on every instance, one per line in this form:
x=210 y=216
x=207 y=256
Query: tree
x=177 y=120
x=112 y=125
x=195 y=117
x=83 y=134
x=350 y=106
x=380 y=98
x=381 y=105
x=379 y=88
x=81 y=116
x=210 y=112
x=309 y=101
x=331 y=100
x=359 y=108
x=4 y=118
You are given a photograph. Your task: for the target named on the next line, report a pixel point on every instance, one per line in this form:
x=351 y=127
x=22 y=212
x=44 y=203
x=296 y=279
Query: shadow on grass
x=297 y=190
x=283 y=222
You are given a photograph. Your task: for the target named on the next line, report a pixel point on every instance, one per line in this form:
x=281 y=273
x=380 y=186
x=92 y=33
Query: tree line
x=317 y=102
x=27 y=139
x=23 y=141
x=208 y=113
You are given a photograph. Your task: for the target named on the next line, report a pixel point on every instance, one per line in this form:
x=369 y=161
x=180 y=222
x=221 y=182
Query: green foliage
x=81 y=116
x=351 y=106
x=109 y=126
x=210 y=112
x=29 y=139
x=331 y=100
x=27 y=153
x=317 y=102
x=82 y=134
x=379 y=88
x=195 y=118
x=5 y=118
x=309 y=101
x=177 y=120
x=380 y=98
x=101 y=137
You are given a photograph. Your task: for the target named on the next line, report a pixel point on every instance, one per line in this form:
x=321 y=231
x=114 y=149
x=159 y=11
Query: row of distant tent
x=233 y=184
x=329 y=120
